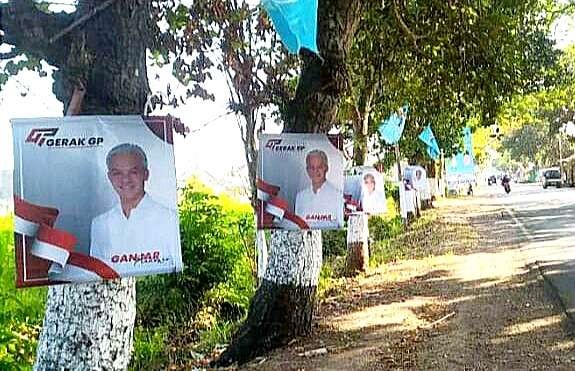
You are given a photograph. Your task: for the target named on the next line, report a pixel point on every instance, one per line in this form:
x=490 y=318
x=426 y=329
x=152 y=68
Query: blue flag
x=392 y=127
x=428 y=138
x=295 y=21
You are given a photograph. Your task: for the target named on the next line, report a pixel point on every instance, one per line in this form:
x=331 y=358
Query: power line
x=210 y=121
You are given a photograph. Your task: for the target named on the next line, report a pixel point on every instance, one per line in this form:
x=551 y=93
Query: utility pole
x=560 y=156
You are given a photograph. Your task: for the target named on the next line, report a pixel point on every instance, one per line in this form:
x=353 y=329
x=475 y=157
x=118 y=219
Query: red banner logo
x=38 y=136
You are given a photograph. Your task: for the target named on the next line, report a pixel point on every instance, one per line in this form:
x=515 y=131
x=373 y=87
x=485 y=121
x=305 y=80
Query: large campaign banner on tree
x=94 y=199
x=300 y=182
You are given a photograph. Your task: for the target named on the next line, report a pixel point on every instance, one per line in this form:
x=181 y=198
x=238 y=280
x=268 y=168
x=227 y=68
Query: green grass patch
x=21 y=311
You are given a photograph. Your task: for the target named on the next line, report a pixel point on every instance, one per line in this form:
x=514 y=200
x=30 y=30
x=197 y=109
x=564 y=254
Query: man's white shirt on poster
x=374 y=202
x=146 y=242
x=322 y=208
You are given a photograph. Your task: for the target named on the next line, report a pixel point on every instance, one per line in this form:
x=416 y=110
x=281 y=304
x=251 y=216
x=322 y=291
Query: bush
x=21 y=311
x=382 y=231
x=334 y=243
x=383 y=228
x=149 y=348
x=392 y=193
x=217 y=236
x=204 y=302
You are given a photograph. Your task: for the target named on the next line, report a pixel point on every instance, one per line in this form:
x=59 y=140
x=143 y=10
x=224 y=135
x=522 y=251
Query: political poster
x=94 y=199
x=300 y=182
x=365 y=191
x=417 y=178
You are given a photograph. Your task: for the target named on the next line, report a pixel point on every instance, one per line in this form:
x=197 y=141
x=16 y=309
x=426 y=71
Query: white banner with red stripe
x=56 y=246
x=272 y=205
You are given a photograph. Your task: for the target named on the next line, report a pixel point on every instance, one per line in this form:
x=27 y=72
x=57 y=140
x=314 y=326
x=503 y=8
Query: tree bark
x=88 y=326
x=283 y=304
x=357 y=257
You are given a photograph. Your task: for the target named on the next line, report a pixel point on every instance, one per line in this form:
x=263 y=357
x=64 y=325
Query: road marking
x=519 y=223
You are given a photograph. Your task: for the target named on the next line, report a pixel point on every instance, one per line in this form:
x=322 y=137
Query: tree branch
x=80 y=21
x=28 y=29
x=404 y=26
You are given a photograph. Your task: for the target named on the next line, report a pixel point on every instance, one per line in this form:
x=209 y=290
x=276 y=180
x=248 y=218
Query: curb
x=552 y=290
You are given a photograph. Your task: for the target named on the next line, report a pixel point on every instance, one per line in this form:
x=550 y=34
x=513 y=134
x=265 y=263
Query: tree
x=531 y=122
x=234 y=40
x=406 y=51
x=282 y=307
x=100 y=55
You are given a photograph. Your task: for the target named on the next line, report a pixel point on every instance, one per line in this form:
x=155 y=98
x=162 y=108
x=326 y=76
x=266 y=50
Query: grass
x=21 y=310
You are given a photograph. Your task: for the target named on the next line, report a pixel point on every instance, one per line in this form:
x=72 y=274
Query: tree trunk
x=283 y=304
x=261 y=254
x=359 y=149
x=357 y=258
x=88 y=326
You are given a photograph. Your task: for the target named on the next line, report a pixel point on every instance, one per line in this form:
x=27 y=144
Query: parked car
x=552 y=177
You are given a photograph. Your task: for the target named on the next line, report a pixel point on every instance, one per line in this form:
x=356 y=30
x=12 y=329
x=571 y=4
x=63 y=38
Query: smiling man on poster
x=320 y=204
x=138 y=235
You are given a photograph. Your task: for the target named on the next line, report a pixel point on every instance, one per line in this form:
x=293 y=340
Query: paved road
x=547 y=220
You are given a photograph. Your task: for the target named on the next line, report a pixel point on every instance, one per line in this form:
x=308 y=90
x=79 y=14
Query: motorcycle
x=505 y=183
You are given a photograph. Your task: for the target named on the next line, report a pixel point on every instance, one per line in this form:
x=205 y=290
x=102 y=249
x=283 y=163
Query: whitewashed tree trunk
x=295 y=258
x=103 y=50
x=282 y=307
x=88 y=327
x=357 y=258
x=262 y=253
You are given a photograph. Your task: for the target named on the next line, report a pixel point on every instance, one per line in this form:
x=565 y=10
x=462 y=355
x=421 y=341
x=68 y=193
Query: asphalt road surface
x=546 y=219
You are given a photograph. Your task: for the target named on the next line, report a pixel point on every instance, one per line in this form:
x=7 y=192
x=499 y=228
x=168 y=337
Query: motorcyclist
x=505 y=183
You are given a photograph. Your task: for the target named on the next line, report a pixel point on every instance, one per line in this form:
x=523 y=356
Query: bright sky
x=213 y=152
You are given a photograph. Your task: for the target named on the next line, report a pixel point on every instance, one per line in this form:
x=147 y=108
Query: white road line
x=520 y=224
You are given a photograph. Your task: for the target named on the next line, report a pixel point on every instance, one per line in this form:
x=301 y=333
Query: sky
x=214 y=151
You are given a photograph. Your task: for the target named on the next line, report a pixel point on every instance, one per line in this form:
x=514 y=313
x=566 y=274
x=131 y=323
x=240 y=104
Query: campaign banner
x=364 y=190
x=300 y=182
x=94 y=199
x=417 y=178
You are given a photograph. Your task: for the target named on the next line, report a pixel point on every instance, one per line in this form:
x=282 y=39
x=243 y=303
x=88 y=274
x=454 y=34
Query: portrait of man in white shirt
x=320 y=204
x=373 y=200
x=138 y=235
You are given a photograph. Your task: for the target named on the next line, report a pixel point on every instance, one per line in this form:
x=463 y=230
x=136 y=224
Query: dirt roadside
x=470 y=304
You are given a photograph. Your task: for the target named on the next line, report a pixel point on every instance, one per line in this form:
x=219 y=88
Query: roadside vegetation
x=186 y=318
x=21 y=311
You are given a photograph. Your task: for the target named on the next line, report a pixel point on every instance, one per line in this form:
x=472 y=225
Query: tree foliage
x=407 y=51
x=531 y=122
x=233 y=40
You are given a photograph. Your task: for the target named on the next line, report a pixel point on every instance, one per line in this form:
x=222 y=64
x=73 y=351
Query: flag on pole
x=295 y=21
x=392 y=127
x=428 y=138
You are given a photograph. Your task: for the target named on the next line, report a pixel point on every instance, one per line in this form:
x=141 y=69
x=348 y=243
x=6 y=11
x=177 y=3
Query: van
x=552 y=177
